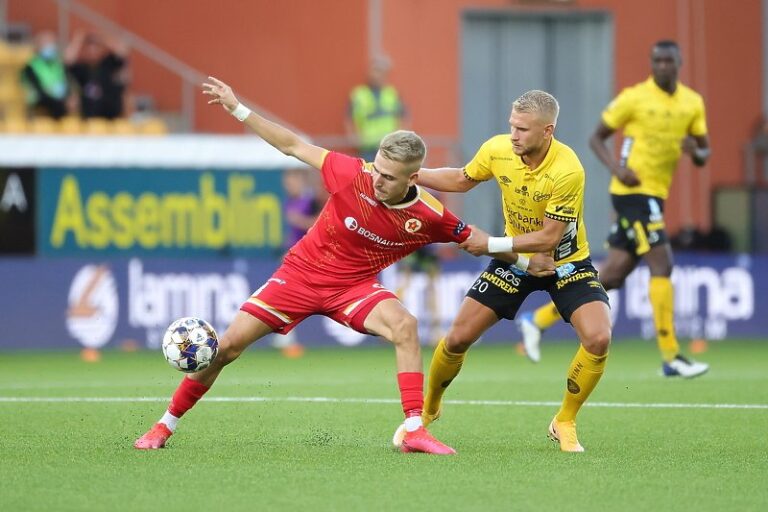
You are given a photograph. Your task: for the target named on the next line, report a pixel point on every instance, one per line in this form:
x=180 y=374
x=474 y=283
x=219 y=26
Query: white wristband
x=522 y=262
x=499 y=244
x=241 y=112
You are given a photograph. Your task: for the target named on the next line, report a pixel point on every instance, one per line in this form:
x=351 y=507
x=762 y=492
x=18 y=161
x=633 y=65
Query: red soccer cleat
x=154 y=439
x=422 y=441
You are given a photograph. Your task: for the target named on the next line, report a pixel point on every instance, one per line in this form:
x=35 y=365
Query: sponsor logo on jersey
x=504 y=180
x=412 y=225
x=540 y=196
x=351 y=223
x=369 y=200
x=459 y=228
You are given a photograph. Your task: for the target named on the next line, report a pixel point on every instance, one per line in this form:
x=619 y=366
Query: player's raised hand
x=477 y=243
x=220 y=93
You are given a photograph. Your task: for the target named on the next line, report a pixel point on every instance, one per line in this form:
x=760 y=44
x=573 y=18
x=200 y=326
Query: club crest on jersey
x=412 y=225
x=351 y=223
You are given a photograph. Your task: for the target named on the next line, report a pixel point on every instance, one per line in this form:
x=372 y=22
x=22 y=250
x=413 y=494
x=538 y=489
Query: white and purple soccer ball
x=190 y=344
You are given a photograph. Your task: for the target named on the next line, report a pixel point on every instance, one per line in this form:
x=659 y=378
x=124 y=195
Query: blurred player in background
x=661 y=118
x=375 y=216
x=300 y=210
x=425 y=261
x=542 y=189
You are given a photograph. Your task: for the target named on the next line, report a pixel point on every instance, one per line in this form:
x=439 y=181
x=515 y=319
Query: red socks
x=186 y=396
x=411 y=386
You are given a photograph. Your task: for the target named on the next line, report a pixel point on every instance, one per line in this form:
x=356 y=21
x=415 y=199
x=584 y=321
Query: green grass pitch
x=271 y=448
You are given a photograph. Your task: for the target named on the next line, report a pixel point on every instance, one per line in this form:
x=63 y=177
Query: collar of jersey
x=658 y=90
x=400 y=206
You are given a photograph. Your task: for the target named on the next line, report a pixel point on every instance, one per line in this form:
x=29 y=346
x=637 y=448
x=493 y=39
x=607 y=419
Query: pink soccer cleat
x=154 y=439
x=422 y=441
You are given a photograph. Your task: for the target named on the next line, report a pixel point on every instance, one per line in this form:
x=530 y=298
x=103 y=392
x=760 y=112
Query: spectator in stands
x=45 y=79
x=98 y=66
x=375 y=109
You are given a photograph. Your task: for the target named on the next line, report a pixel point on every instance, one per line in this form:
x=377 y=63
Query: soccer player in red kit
x=375 y=216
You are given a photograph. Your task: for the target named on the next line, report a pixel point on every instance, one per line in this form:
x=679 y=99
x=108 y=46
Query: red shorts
x=288 y=297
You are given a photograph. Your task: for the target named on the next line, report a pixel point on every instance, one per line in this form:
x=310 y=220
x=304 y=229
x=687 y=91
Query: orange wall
x=298 y=59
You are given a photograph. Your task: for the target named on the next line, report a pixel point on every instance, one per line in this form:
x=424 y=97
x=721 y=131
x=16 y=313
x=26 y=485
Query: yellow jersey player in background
x=542 y=190
x=660 y=118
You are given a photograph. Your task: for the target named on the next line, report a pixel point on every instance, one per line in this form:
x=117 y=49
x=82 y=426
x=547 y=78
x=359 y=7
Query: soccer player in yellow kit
x=660 y=118
x=542 y=189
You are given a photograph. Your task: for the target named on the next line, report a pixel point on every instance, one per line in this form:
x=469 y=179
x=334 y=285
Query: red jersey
x=356 y=236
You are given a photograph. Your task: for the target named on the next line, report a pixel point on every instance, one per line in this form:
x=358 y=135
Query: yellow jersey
x=555 y=189
x=654 y=123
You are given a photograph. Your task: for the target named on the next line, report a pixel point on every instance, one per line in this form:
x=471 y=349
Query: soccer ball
x=190 y=344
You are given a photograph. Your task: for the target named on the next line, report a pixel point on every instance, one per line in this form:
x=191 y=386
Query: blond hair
x=403 y=146
x=538 y=102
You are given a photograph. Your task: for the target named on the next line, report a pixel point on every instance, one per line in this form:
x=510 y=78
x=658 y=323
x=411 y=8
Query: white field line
x=320 y=399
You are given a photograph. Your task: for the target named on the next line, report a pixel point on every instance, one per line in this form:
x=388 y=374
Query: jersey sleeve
x=699 y=123
x=451 y=229
x=619 y=111
x=339 y=170
x=567 y=197
x=479 y=169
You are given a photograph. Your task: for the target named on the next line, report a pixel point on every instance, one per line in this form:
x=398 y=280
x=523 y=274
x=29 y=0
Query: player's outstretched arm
x=278 y=136
x=538 y=265
x=544 y=240
x=446 y=179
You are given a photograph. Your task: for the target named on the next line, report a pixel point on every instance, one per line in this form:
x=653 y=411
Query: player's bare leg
x=393 y=322
x=244 y=330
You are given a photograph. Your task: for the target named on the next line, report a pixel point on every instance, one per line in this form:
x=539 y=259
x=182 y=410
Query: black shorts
x=639 y=223
x=503 y=287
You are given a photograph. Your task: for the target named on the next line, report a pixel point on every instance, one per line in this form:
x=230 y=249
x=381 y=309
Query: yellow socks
x=546 y=316
x=442 y=370
x=583 y=375
x=663 y=302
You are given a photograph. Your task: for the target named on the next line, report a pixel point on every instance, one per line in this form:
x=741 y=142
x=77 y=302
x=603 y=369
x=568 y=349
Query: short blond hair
x=538 y=102
x=403 y=146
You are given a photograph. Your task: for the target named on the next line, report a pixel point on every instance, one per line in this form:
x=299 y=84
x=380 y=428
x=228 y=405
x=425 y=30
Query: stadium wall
x=299 y=59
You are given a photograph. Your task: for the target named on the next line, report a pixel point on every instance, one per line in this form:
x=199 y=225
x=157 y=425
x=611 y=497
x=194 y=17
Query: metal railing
x=444 y=147
x=190 y=77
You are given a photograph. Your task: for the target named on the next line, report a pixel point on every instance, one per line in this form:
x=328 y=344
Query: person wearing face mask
x=45 y=79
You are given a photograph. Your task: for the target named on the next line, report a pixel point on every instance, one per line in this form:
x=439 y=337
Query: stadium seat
x=70 y=125
x=20 y=54
x=97 y=126
x=123 y=127
x=153 y=126
x=43 y=126
x=15 y=124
